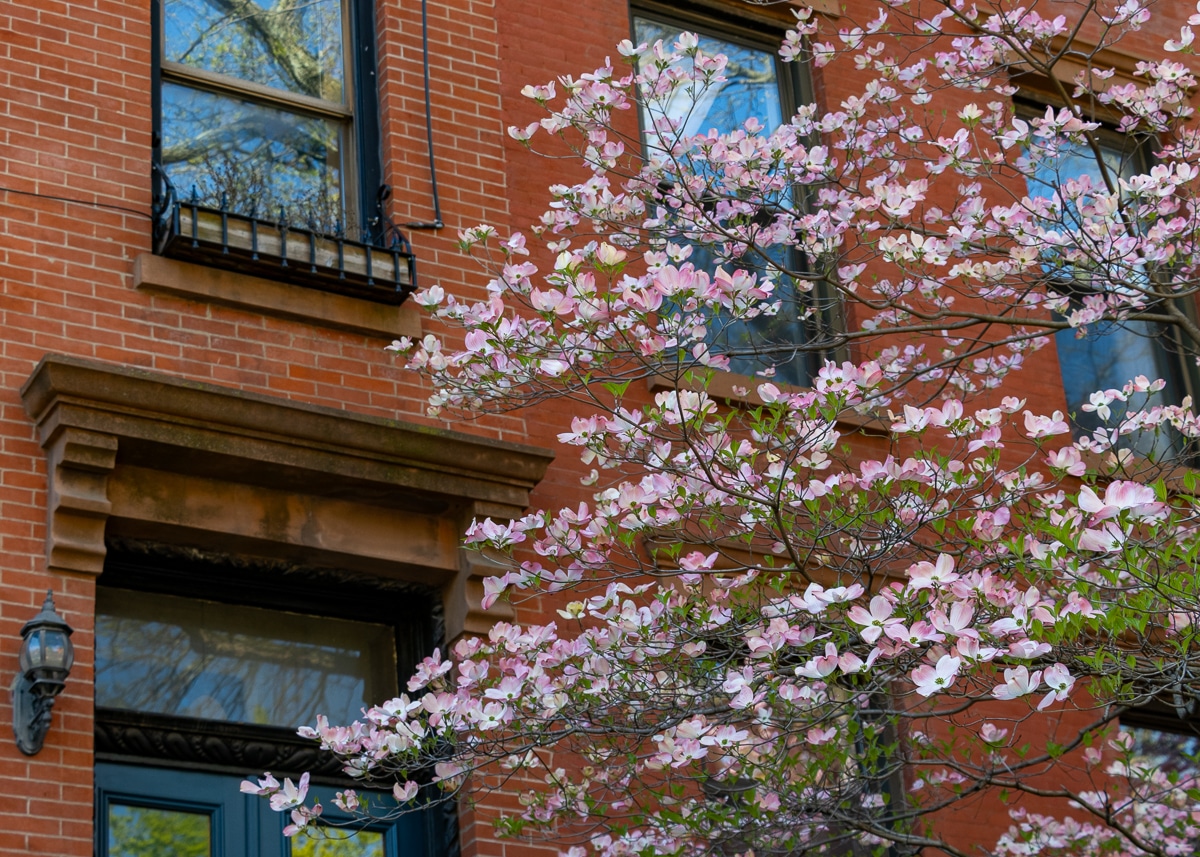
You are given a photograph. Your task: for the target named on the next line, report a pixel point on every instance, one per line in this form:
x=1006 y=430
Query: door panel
x=140 y=811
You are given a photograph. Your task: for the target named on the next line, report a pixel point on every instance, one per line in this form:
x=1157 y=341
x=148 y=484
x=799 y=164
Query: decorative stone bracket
x=144 y=455
x=79 y=464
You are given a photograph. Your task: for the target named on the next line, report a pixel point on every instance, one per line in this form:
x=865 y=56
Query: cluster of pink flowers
x=763 y=614
x=710 y=676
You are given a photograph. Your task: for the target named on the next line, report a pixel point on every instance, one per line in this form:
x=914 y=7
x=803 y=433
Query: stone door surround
x=140 y=454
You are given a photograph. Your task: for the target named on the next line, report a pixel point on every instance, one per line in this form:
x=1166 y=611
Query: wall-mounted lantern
x=46 y=659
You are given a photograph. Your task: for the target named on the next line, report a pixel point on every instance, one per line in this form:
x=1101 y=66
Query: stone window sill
x=280 y=300
x=741 y=390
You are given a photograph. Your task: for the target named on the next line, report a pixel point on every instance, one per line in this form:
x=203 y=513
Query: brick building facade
x=178 y=429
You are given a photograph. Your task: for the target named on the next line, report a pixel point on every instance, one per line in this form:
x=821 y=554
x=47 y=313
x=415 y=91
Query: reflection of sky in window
x=751 y=86
x=1075 y=160
x=1111 y=353
x=255 y=157
x=191 y=658
x=293 y=45
x=242 y=153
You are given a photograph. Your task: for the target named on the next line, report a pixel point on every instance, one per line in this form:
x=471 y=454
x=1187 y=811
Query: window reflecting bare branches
x=255 y=112
x=751 y=85
x=256 y=160
x=293 y=45
x=169 y=655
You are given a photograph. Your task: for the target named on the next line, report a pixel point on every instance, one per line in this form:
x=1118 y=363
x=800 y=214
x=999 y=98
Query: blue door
x=161 y=812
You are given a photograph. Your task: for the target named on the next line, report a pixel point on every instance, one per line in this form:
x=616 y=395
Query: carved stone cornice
x=186 y=427
x=189 y=742
x=143 y=455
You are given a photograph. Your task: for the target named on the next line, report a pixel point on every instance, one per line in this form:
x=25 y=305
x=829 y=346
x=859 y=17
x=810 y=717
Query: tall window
x=1107 y=354
x=757 y=84
x=266 y=106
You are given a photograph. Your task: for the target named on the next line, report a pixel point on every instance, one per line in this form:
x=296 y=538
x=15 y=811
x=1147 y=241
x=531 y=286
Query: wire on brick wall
x=437 y=205
x=91 y=204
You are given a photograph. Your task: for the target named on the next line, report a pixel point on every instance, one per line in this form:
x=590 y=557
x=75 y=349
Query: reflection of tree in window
x=339 y=843
x=257 y=158
x=254 y=108
x=1108 y=354
x=295 y=45
x=752 y=88
x=139 y=831
x=177 y=656
x=1169 y=752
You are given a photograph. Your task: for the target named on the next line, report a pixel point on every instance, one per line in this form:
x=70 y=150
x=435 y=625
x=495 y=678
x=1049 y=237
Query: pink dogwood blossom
x=777 y=586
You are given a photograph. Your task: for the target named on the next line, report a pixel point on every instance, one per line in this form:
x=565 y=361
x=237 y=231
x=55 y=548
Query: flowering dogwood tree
x=805 y=619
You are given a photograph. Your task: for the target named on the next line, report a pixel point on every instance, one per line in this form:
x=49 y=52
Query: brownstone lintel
x=142 y=455
x=189 y=427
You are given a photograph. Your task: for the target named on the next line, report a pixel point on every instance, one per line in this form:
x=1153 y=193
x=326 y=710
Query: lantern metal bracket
x=31 y=715
x=46 y=658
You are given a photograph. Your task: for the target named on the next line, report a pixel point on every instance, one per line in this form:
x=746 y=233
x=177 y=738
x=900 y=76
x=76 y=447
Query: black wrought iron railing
x=375 y=263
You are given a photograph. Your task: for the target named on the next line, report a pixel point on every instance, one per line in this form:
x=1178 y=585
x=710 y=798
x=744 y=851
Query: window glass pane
x=751 y=86
x=293 y=45
x=1108 y=357
x=1166 y=751
x=1110 y=354
x=769 y=340
x=332 y=842
x=1075 y=160
x=258 y=159
x=169 y=655
x=139 y=831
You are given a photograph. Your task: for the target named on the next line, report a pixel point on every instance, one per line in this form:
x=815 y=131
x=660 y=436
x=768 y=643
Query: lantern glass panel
x=31 y=651
x=57 y=650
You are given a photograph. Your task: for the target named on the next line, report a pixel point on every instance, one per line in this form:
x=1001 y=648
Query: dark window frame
x=755 y=29
x=196 y=744
x=372 y=260
x=152 y=742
